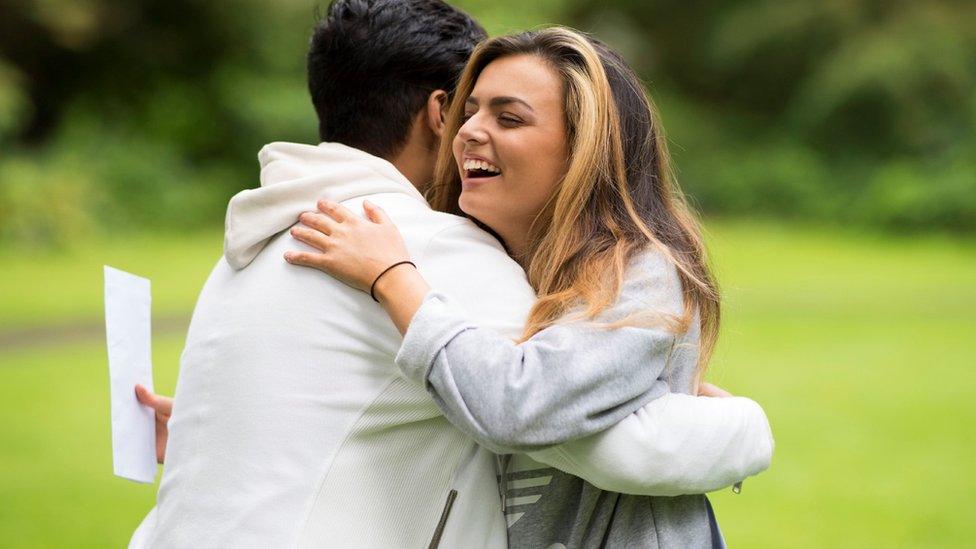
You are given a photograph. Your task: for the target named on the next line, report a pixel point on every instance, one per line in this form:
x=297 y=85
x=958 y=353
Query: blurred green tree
x=149 y=113
x=155 y=109
x=812 y=99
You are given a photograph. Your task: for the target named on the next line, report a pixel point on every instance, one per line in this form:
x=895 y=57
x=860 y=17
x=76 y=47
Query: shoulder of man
x=471 y=268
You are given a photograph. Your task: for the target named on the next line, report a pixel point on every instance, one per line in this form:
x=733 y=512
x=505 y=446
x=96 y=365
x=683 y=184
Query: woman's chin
x=465 y=204
x=472 y=207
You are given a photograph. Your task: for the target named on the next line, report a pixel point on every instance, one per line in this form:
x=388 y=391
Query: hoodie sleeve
x=677 y=444
x=568 y=381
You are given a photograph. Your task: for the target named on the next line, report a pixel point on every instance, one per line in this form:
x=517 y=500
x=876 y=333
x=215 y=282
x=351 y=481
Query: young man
x=292 y=426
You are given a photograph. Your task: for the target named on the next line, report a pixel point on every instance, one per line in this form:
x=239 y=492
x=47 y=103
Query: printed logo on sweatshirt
x=523 y=489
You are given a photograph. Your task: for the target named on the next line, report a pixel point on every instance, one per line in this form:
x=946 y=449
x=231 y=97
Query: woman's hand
x=357 y=251
x=352 y=249
x=163 y=406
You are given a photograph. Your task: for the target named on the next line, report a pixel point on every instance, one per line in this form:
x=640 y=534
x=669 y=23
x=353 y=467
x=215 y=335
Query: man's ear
x=436 y=105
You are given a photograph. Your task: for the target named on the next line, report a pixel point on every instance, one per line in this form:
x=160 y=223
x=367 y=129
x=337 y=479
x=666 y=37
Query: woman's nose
x=473 y=131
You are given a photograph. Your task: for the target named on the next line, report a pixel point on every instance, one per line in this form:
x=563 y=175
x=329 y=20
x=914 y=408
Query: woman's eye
x=509 y=121
x=465 y=117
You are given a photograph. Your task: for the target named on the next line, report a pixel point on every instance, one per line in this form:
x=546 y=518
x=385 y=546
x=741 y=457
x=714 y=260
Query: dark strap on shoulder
x=718 y=542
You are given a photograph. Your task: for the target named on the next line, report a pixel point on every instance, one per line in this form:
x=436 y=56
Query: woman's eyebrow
x=507 y=100
x=499 y=101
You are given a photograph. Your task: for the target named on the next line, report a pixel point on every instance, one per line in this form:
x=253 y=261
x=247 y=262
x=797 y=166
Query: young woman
x=552 y=145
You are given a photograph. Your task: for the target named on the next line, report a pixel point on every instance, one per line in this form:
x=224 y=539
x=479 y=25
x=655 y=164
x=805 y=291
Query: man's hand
x=163 y=406
x=709 y=390
x=706 y=390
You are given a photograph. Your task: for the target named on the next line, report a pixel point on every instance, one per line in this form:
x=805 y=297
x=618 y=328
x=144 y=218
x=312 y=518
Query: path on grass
x=60 y=335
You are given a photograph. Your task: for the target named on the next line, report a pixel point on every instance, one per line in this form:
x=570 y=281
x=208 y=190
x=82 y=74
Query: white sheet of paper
x=128 y=334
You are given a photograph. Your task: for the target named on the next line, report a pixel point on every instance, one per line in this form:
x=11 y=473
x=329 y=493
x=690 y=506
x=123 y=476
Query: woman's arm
x=569 y=380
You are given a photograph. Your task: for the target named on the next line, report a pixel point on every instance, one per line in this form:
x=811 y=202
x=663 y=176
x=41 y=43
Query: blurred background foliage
x=148 y=114
x=857 y=111
x=814 y=134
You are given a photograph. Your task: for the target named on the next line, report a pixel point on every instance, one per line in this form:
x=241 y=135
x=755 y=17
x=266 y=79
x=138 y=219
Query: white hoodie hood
x=293 y=178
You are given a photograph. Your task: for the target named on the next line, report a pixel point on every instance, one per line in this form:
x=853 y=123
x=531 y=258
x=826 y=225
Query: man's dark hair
x=372 y=64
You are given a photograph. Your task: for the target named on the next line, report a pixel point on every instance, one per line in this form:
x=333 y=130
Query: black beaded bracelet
x=372 y=287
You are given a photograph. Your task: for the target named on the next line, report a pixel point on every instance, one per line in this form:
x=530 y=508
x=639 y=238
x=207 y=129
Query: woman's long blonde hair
x=617 y=198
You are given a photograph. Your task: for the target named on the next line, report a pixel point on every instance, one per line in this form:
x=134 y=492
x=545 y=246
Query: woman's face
x=511 y=150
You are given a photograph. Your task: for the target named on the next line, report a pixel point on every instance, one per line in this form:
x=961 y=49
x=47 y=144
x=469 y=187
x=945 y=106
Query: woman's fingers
x=319 y=222
x=374 y=213
x=335 y=210
x=312 y=237
x=351 y=249
x=306 y=259
x=710 y=390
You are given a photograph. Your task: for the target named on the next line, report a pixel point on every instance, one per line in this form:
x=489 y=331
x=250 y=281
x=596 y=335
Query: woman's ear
x=436 y=111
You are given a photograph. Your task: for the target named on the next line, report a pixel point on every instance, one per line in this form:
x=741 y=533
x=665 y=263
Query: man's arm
x=674 y=445
x=677 y=444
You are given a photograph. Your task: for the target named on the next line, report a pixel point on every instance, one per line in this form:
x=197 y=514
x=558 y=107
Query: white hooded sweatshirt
x=292 y=425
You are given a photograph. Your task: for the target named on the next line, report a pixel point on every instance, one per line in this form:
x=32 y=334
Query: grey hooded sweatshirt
x=490 y=387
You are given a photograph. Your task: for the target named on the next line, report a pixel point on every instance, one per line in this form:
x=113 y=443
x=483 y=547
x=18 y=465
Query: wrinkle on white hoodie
x=293 y=177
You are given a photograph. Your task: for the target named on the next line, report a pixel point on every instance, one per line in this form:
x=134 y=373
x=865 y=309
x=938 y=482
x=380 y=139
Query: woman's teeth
x=480 y=165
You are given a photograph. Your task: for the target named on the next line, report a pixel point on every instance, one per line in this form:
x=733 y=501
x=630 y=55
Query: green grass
x=54 y=288
x=859 y=347
x=56 y=455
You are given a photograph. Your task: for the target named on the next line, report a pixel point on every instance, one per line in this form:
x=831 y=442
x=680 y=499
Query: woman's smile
x=477 y=170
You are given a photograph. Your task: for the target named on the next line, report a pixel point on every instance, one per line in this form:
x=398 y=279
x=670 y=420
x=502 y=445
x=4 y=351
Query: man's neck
x=415 y=159
x=411 y=169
